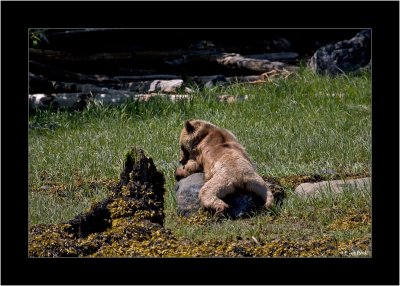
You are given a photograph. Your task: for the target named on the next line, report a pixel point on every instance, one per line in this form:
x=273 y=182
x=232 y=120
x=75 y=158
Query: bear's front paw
x=179 y=173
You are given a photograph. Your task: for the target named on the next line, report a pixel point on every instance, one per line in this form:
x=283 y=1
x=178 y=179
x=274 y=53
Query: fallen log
x=248 y=78
x=236 y=61
x=53 y=55
x=215 y=78
x=264 y=77
x=78 y=100
x=39 y=84
x=63 y=75
x=147 y=77
x=66 y=100
x=283 y=57
x=176 y=58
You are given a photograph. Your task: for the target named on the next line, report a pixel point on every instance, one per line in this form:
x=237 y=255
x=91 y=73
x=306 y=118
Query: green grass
x=301 y=126
x=299 y=218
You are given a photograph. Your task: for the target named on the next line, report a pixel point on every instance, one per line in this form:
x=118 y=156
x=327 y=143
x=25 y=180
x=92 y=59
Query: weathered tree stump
x=135 y=205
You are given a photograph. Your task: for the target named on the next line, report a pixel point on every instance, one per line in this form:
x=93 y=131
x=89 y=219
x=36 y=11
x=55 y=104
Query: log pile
x=62 y=76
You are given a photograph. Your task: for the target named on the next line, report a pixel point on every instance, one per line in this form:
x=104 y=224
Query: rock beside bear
x=187 y=194
x=241 y=204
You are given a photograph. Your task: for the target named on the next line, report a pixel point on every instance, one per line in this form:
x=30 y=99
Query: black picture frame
x=381 y=17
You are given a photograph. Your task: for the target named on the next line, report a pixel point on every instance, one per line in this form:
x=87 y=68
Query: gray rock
x=336 y=186
x=218 y=80
x=344 y=56
x=169 y=86
x=187 y=196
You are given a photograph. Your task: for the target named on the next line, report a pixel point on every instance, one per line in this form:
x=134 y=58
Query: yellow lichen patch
x=51 y=241
x=125 y=191
x=350 y=221
x=201 y=218
x=121 y=207
x=163 y=244
x=129 y=238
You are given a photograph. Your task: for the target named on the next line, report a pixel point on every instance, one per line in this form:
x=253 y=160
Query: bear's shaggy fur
x=225 y=163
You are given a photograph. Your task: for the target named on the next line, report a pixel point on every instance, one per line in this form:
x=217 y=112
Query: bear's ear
x=189 y=127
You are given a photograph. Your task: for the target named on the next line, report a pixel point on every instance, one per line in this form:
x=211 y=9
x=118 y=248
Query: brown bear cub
x=225 y=163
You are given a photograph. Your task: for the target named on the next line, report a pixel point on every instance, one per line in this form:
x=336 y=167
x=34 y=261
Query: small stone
x=189 y=90
x=336 y=186
x=45 y=187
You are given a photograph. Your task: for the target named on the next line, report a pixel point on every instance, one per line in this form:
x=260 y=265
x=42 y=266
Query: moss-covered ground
x=129 y=223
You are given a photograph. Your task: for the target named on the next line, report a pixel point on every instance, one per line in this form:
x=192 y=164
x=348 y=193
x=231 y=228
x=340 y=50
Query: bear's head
x=193 y=132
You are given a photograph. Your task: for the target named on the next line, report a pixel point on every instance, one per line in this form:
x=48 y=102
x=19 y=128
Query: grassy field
x=304 y=126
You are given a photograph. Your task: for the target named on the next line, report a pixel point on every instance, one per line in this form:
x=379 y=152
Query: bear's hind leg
x=211 y=193
x=257 y=185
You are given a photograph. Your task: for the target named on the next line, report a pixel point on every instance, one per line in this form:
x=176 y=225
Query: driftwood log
x=164 y=59
x=53 y=55
x=79 y=100
x=40 y=84
x=62 y=75
x=237 y=61
x=46 y=93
